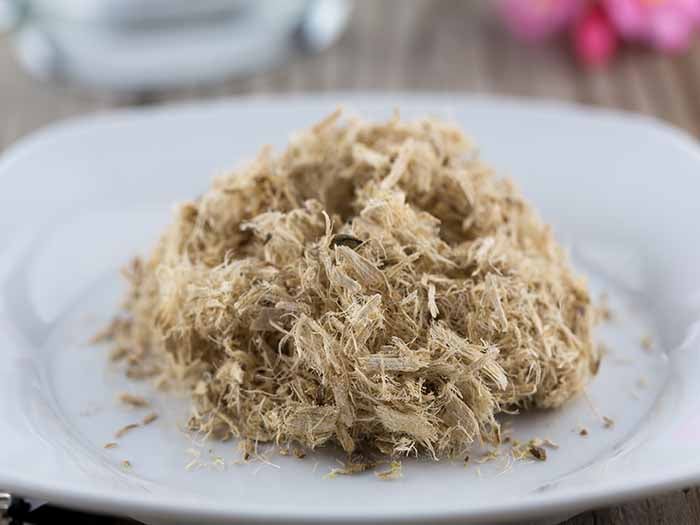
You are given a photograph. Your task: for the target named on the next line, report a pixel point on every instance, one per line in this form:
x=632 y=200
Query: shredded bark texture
x=125 y=430
x=132 y=400
x=375 y=286
x=150 y=418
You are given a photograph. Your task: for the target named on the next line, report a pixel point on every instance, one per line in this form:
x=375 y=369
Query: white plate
x=79 y=199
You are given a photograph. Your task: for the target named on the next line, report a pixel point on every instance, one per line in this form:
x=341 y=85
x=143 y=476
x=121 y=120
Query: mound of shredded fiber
x=374 y=286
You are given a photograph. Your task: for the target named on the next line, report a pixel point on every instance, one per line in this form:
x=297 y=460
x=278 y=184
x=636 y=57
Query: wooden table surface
x=437 y=45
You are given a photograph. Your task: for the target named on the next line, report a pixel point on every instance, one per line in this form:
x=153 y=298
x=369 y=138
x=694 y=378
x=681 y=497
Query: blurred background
x=61 y=58
x=64 y=58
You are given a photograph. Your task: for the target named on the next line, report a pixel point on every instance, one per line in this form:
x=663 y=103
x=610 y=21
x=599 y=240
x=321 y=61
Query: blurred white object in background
x=111 y=11
x=151 y=44
x=8 y=15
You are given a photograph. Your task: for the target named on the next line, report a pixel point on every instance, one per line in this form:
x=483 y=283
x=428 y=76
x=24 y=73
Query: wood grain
x=440 y=45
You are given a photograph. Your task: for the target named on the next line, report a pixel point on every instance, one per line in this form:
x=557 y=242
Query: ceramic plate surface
x=79 y=199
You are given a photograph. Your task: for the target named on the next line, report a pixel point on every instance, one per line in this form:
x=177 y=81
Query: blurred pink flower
x=665 y=24
x=594 y=38
x=536 y=20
